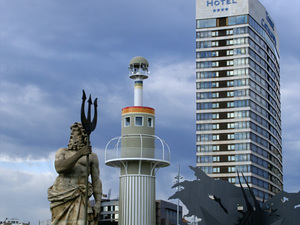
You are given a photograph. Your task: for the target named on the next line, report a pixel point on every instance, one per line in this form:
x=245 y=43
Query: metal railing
x=160 y=149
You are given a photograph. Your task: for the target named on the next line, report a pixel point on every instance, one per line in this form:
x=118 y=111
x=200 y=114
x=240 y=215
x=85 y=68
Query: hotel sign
x=220 y=5
x=206 y=9
x=220 y=2
x=267 y=24
x=209 y=8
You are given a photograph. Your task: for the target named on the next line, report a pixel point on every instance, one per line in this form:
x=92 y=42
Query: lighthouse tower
x=138 y=153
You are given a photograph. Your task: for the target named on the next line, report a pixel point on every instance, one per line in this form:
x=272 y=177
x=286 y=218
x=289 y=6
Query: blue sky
x=50 y=50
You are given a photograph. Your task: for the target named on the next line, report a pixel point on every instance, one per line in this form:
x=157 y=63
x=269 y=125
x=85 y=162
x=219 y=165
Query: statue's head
x=78 y=137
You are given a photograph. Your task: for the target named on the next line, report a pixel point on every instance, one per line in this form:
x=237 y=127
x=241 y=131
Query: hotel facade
x=238 y=111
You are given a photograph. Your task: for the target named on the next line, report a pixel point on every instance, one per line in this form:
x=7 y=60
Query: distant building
x=109 y=212
x=13 y=221
x=166 y=213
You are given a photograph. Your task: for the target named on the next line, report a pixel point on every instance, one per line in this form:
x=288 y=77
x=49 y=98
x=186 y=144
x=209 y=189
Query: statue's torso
x=74 y=176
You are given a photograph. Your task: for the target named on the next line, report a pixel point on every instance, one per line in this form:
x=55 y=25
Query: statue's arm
x=63 y=164
x=96 y=182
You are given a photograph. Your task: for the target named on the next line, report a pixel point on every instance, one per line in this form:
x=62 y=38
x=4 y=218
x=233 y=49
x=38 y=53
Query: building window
x=216 y=159
x=215 y=64
x=230 y=126
x=231 y=158
x=233 y=20
x=215 y=105
x=206 y=169
x=230 y=115
x=215 y=54
x=240 y=51
x=216 y=169
x=216 y=137
x=204 y=148
x=231 y=169
x=229 y=63
x=214 y=84
x=229 y=52
x=229 y=42
x=215 y=116
x=231 y=147
x=206 y=54
x=127 y=122
x=216 y=148
x=239 y=62
x=204 y=116
x=208 y=74
x=240 y=41
x=229 y=32
x=139 y=121
x=215 y=126
x=214 y=43
x=230 y=83
x=206 y=23
x=230 y=136
x=150 y=122
x=231 y=180
x=230 y=94
x=230 y=73
x=215 y=95
x=204 y=126
x=215 y=33
x=230 y=104
x=206 y=159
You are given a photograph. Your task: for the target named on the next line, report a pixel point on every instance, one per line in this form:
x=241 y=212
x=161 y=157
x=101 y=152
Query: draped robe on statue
x=68 y=203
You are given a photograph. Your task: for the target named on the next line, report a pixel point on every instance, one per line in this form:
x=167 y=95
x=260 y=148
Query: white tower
x=138 y=153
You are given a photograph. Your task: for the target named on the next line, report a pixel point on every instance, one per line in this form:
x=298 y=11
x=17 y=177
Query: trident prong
x=95 y=112
x=89 y=126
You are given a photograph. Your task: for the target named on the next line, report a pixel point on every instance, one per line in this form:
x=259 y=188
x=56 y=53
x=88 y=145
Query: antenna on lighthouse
x=138 y=71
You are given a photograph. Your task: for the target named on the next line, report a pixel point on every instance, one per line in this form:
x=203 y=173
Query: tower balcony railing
x=137 y=147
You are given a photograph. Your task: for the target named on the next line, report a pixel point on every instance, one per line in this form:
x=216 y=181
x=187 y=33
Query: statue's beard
x=75 y=145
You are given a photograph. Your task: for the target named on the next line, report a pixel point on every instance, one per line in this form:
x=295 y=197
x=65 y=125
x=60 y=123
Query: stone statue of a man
x=67 y=194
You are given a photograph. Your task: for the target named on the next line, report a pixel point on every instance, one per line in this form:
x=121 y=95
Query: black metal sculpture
x=218 y=202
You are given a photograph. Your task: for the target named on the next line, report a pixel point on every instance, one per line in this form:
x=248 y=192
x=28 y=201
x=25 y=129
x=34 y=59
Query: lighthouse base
x=137 y=200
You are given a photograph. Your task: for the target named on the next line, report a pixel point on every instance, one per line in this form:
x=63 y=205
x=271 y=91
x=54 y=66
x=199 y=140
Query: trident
x=89 y=126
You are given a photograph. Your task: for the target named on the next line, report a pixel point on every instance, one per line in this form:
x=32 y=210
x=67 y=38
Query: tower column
x=138 y=93
x=137 y=199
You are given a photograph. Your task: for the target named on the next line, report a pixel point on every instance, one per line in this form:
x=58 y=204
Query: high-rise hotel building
x=238 y=116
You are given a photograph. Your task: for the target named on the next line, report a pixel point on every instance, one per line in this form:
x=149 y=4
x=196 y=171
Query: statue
x=67 y=194
x=219 y=202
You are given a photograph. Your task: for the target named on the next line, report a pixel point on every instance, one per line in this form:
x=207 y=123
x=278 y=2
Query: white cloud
x=290 y=122
x=24 y=184
x=171 y=90
x=24 y=194
x=26 y=105
x=28 y=159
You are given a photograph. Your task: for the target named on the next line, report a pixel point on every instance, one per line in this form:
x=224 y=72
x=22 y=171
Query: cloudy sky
x=50 y=50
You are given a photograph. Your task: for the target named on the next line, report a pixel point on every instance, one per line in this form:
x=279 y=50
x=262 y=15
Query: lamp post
x=178 y=178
